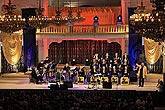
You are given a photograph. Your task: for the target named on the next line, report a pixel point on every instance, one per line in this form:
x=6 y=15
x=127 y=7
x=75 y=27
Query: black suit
x=93 y=68
x=125 y=70
x=66 y=68
x=125 y=57
x=36 y=75
x=33 y=73
x=104 y=70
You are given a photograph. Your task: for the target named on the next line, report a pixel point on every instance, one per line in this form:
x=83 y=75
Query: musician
x=33 y=73
x=46 y=61
x=107 y=58
x=96 y=56
x=73 y=71
x=67 y=71
x=53 y=68
x=40 y=67
x=48 y=66
x=75 y=75
x=36 y=75
x=125 y=70
x=114 y=70
x=100 y=61
x=125 y=59
x=119 y=70
x=116 y=63
x=104 y=68
x=94 y=67
x=110 y=69
x=116 y=60
x=82 y=71
x=66 y=67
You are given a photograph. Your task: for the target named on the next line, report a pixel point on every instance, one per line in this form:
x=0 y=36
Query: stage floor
x=21 y=81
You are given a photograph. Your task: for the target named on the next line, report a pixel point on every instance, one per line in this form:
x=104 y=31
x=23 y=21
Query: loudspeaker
x=54 y=87
x=133 y=79
x=63 y=87
x=68 y=84
x=107 y=85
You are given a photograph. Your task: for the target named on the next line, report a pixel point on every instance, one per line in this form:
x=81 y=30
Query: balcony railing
x=86 y=29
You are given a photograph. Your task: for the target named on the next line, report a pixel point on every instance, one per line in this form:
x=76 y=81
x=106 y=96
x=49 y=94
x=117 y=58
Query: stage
x=21 y=81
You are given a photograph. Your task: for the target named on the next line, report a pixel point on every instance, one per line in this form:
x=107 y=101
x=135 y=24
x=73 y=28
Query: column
x=123 y=46
x=45 y=6
x=163 y=59
x=0 y=56
x=45 y=47
x=124 y=5
x=46 y=43
x=126 y=43
x=40 y=49
x=163 y=64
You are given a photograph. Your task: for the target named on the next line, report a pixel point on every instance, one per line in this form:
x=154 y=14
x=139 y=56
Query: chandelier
x=150 y=25
x=9 y=21
x=77 y=18
x=59 y=20
x=39 y=21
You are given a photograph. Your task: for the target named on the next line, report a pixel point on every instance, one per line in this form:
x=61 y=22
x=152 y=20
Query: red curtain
x=81 y=49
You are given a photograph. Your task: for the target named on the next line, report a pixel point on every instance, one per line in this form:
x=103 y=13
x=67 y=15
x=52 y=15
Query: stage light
x=73 y=62
x=96 y=19
x=87 y=62
x=119 y=19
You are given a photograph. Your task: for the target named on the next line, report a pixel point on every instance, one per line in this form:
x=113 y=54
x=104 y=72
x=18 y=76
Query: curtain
x=153 y=50
x=12 y=47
